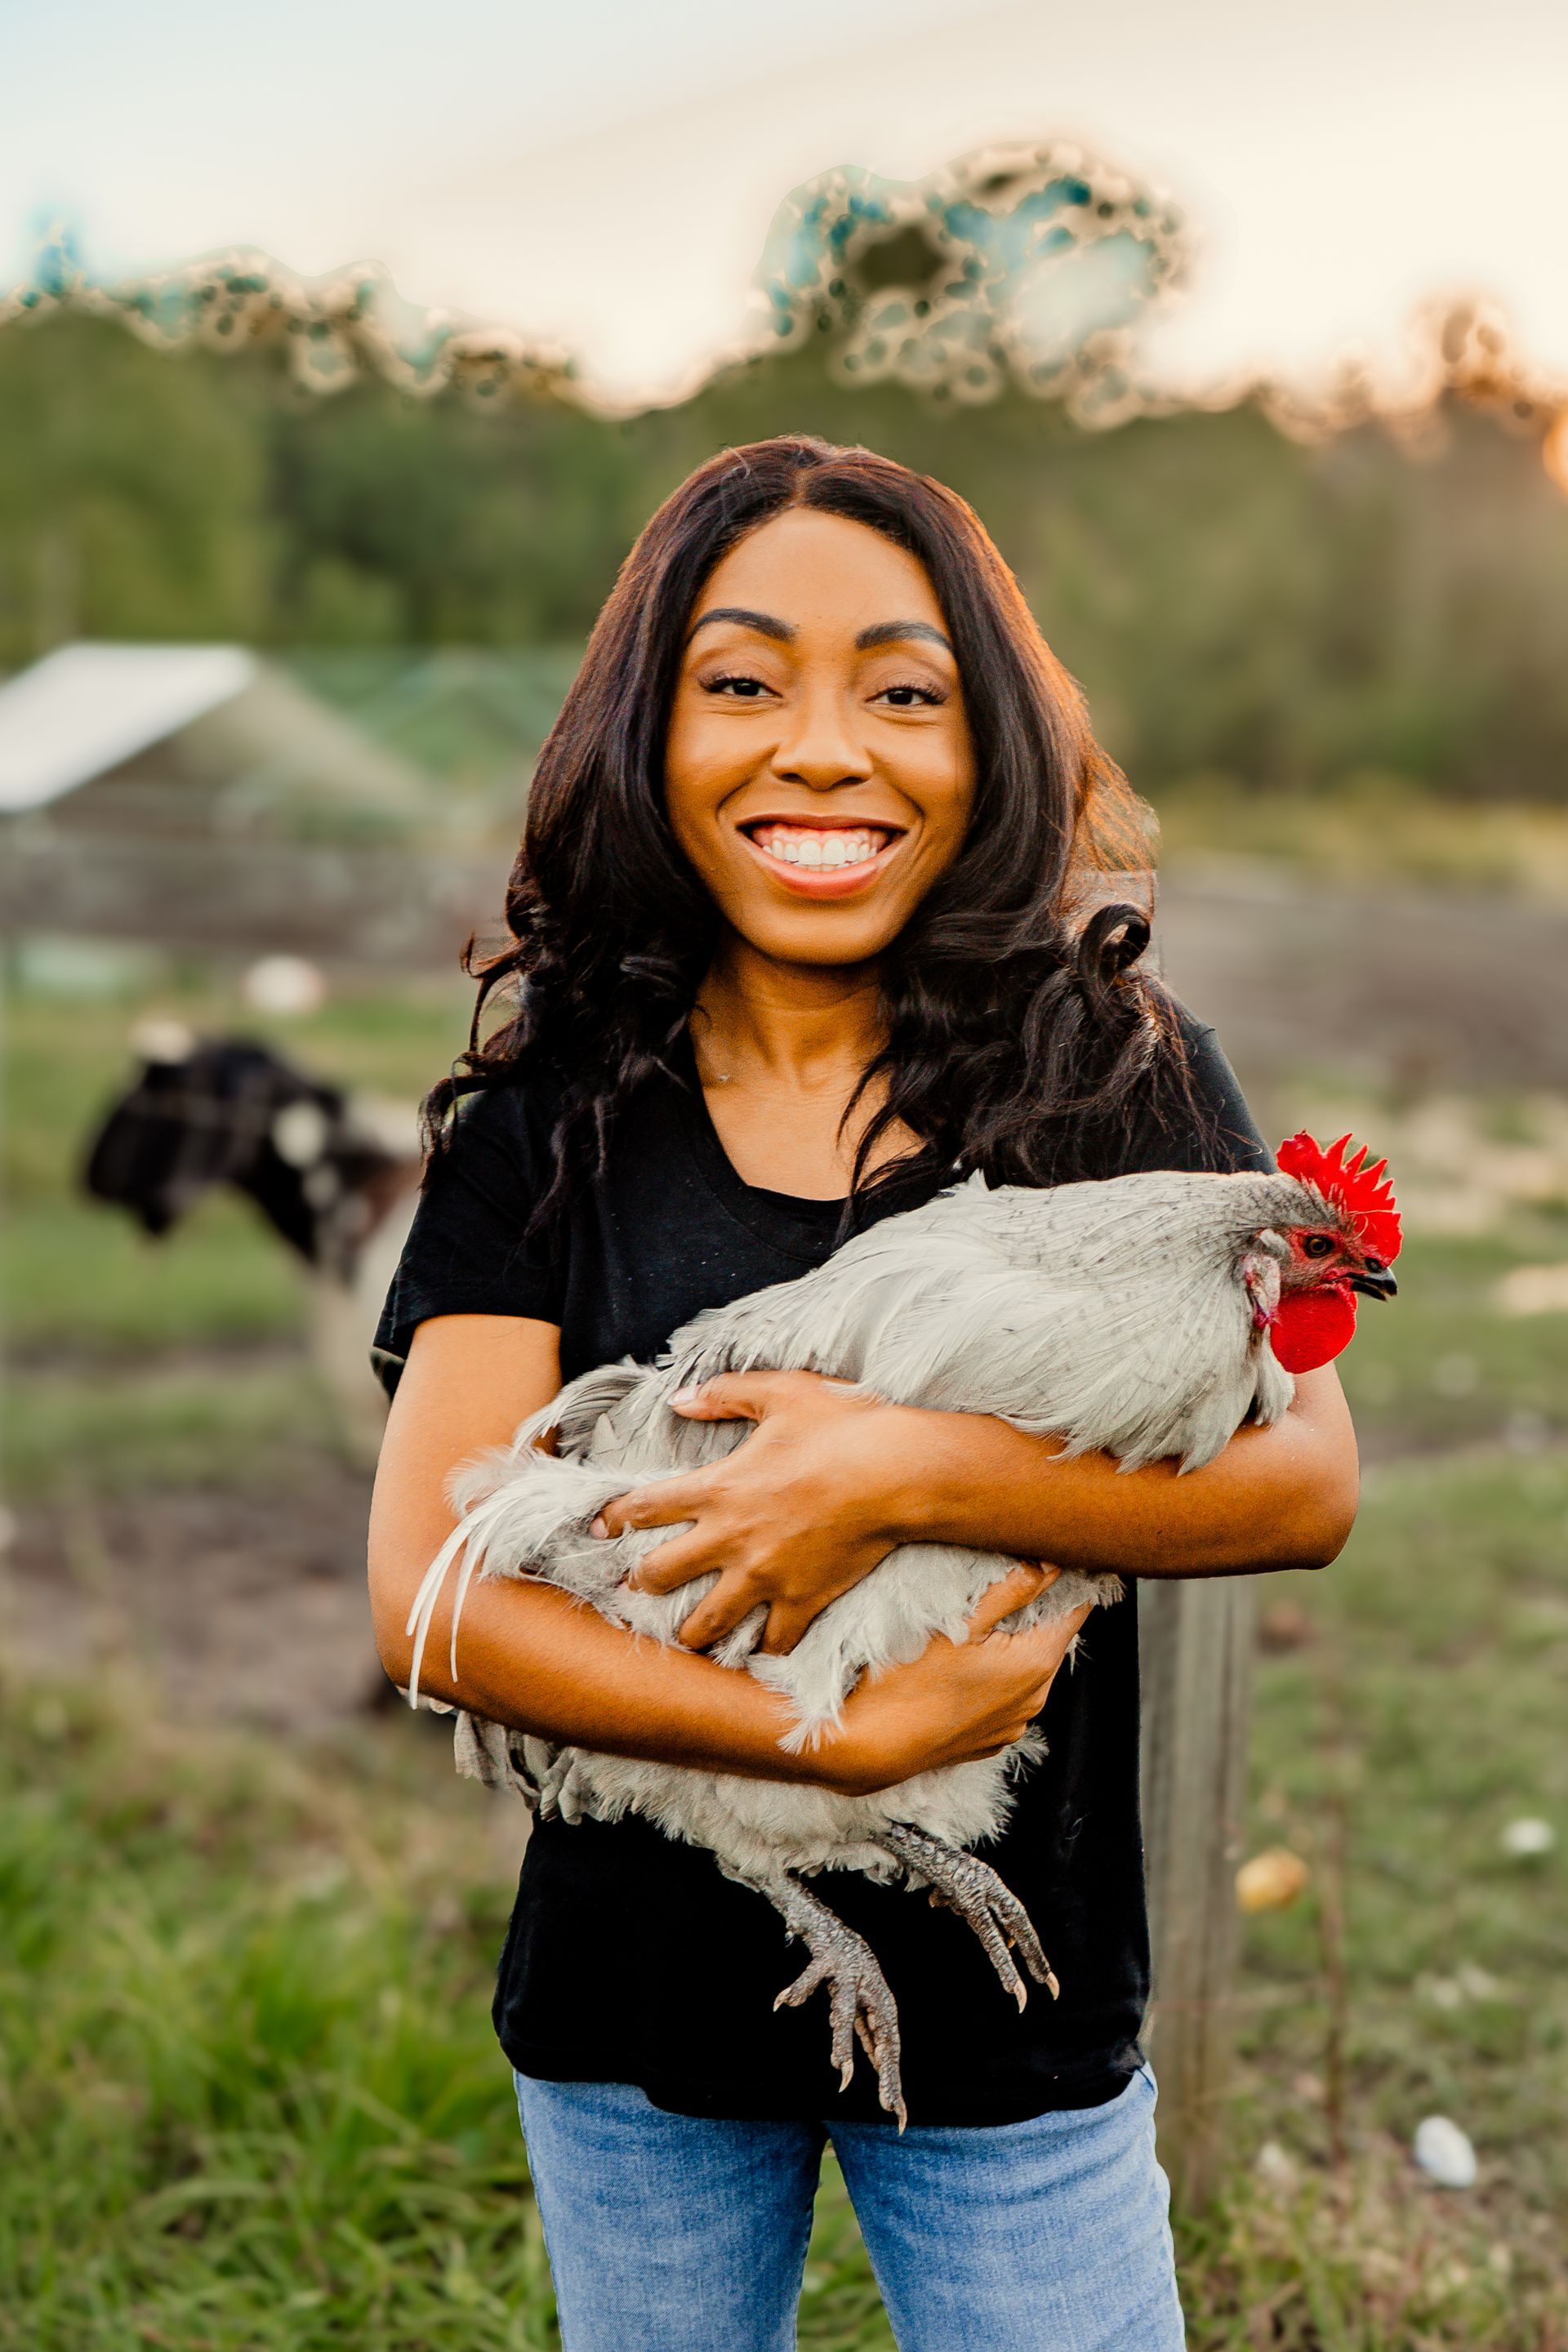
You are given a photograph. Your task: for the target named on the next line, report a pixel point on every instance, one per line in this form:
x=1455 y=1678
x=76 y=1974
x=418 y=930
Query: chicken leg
x=862 y=2004
x=973 y=1888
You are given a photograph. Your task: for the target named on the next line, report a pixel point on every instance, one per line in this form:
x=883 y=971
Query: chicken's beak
x=1375 y=1280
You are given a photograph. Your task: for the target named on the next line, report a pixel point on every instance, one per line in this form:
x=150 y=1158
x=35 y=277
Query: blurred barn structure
x=200 y=798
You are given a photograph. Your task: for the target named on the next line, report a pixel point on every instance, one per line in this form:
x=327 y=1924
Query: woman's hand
x=955 y=1701
x=795 y=1516
x=829 y=1481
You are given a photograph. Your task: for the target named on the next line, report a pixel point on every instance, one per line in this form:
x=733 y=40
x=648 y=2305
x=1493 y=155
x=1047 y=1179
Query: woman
x=794 y=946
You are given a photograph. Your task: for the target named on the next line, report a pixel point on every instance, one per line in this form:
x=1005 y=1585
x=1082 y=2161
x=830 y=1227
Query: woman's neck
x=781 y=1049
x=807 y=1029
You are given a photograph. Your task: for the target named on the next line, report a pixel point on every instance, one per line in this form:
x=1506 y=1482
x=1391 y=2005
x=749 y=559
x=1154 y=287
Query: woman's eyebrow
x=764 y=622
x=886 y=633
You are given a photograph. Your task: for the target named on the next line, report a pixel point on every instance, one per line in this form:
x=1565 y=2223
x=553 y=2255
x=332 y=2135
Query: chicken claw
x=862 y=2005
x=973 y=1889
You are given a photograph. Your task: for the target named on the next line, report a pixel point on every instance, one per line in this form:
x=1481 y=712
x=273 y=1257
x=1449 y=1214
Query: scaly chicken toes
x=973 y=1889
x=861 y=2005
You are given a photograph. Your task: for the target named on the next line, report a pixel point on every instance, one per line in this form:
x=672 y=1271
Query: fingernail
x=684 y=1396
x=597 y=1527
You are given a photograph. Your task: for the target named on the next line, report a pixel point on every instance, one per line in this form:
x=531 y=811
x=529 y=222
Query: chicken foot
x=973 y=1888
x=862 y=2005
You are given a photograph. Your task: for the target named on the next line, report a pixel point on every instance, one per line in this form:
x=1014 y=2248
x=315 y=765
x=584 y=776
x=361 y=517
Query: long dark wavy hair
x=1020 y=1034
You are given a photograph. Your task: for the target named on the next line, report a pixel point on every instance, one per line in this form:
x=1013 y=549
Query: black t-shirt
x=630 y=1957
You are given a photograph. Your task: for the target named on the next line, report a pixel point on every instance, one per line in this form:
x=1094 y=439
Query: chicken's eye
x=1317 y=1245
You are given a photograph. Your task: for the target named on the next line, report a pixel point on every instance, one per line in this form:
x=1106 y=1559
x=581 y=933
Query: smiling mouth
x=849 y=852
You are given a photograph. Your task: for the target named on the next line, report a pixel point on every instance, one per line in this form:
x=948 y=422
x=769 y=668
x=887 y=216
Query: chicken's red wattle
x=1312 y=1326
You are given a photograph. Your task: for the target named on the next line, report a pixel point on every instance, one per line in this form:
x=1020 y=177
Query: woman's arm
x=532 y=1657
x=827 y=1485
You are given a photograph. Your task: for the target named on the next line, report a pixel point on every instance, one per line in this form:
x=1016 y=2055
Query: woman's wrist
x=755 y=1729
x=927 y=1472
x=844 y=1760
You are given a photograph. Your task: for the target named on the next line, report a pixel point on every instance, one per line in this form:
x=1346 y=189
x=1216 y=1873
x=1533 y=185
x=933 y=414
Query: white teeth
x=796 y=847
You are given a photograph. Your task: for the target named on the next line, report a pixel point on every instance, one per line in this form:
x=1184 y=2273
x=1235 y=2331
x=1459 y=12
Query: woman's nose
x=818 y=747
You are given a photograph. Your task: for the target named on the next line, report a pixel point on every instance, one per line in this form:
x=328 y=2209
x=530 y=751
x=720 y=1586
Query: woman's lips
x=821 y=861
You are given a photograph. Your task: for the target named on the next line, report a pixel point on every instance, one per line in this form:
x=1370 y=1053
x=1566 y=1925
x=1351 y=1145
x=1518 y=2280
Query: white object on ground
x=163 y=1043
x=1444 y=2153
x=283 y=983
x=1276 y=2167
x=1529 y=1836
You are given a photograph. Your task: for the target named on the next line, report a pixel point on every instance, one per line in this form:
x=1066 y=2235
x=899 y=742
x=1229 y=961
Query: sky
x=600 y=174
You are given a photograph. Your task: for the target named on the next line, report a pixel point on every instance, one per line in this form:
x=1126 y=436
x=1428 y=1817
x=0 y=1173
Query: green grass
x=251 y=2098
x=1426 y=1709
x=81 y=1278
x=1443 y=1365
x=248 y=2094
x=103 y=1432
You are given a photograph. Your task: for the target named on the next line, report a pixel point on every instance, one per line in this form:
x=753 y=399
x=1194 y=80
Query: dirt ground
x=1428 y=989
x=241 y=1607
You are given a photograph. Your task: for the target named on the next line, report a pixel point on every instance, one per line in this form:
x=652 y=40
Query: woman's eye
x=908 y=698
x=739 y=688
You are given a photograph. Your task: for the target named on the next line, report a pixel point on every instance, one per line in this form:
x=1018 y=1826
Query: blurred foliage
x=1371 y=827
x=1240 y=604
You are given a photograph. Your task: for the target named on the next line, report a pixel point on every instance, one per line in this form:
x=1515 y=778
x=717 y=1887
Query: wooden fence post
x=1195 y=1638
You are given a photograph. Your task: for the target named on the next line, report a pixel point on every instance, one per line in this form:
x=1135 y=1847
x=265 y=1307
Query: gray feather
x=1111 y=1316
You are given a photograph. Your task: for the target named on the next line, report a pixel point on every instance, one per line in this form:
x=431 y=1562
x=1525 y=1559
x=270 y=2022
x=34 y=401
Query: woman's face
x=818 y=771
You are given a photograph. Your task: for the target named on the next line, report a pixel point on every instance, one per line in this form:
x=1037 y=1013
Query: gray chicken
x=1148 y=1316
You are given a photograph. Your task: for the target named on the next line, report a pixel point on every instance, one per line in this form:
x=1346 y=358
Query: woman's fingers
x=660 y=1504
x=719 y=1613
x=1041 y=1649
x=749 y=1396
x=1025 y=1583
x=1068 y=1628
x=733 y=1396
x=670 y=1564
x=788 y=1623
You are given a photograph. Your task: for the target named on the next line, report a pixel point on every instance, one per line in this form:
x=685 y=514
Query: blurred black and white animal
x=335 y=1175
x=1148 y=1317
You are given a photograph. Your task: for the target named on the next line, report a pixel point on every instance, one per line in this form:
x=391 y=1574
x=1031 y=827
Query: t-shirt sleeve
x=1207 y=1126
x=468 y=1250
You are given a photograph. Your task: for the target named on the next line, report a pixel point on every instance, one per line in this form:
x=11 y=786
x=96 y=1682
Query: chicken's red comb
x=1364 y=1191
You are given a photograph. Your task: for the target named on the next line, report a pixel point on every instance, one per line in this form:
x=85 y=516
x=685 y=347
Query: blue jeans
x=671 y=2233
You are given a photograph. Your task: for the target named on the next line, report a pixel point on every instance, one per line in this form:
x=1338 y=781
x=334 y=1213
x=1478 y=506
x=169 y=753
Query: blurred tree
x=1238 y=602
x=490 y=528
x=132 y=491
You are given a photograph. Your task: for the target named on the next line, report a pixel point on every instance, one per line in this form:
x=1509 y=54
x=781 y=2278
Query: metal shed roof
x=83 y=709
